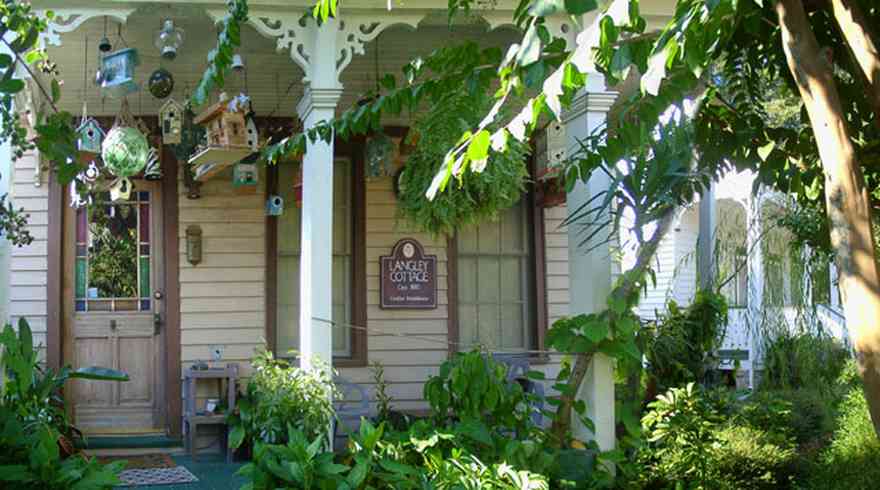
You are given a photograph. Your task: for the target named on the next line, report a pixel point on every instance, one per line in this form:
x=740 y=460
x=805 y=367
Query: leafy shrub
x=852 y=460
x=34 y=426
x=802 y=359
x=678 y=345
x=749 y=458
x=279 y=396
x=806 y=415
x=680 y=433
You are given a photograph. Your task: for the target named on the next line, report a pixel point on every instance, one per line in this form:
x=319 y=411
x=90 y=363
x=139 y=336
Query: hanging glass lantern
x=169 y=39
x=380 y=156
x=117 y=72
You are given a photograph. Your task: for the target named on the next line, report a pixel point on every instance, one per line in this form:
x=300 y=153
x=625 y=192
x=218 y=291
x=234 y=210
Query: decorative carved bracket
x=70 y=19
x=559 y=26
x=297 y=34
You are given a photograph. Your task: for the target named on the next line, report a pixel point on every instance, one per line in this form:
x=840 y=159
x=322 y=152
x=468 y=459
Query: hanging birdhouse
x=117 y=72
x=245 y=177
x=226 y=141
x=253 y=136
x=171 y=120
x=89 y=137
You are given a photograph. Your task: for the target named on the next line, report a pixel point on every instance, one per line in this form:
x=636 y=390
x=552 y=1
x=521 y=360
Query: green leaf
x=11 y=86
x=596 y=331
x=766 y=150
x=56 y=90
x=15 y=472
x=544 y=8
x=236 y=436
x=478 y=149
x=580 y=7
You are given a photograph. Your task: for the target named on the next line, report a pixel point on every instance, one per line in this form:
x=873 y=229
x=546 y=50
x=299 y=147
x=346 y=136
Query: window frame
x=352 y=150
x=539 y=326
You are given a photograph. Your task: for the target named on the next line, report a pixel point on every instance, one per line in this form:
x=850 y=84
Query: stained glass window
x=112 y=262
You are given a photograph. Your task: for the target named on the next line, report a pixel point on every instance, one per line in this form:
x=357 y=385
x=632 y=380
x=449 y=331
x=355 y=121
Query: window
x=734 y=273
x=112 y=258
x=496 y=289
x=288 y=254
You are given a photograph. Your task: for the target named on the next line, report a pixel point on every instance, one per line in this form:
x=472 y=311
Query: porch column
x=706 y=239
x=590 y=272
x=755 y=265
x=316 y=259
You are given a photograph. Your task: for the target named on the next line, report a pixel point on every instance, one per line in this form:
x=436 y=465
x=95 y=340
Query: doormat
x=156 y=476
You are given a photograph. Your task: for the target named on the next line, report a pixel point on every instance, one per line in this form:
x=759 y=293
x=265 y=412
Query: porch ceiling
x=274 y=81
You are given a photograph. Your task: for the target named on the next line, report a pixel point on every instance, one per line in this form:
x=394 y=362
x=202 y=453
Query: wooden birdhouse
x=89 y=137
x=253 y=136
x=226 y=139
x=171 y=119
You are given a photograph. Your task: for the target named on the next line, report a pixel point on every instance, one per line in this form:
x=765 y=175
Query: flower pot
x=550 y=185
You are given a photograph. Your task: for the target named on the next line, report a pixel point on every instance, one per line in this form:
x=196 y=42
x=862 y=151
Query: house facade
x=769 y=285
x=211 y=271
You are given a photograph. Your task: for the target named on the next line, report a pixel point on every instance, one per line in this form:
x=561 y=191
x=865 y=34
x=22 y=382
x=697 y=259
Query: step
x=130 y=442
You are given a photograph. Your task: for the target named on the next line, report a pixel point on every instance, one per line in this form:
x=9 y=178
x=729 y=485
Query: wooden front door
x=112 y=281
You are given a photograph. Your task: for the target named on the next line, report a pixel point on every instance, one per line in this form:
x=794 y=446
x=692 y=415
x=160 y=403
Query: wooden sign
x=409 y=277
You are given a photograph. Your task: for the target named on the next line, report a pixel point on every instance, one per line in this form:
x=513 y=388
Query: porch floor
x=212 y=471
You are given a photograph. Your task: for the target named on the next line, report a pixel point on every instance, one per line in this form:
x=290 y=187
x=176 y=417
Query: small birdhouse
x=253 y=136
x=226 y=138
x=117 y=72
x=89 y=137
x=171 y=119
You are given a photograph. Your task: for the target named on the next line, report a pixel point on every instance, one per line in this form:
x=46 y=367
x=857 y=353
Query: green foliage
x=680 y=344
x=680 y=432
x=33 y=422
x=479 y=197
x=383 y=399
x=750 y=458
x=852 y=460
x=473 y=388
x=220 y=58
x=279 y=397
x=801 y=359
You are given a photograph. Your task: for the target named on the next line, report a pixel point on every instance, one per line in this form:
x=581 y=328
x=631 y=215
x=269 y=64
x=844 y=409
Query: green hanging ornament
x=125 y=149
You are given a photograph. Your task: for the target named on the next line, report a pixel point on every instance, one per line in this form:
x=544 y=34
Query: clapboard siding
x=28 y=265
x=223 y=297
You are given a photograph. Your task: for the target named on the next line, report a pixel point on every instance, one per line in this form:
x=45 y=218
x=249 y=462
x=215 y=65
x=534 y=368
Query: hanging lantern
x=161 y=83
x=117 y=72
x=169 y=39
x=171 y=122
x=380 y=156
x=104 y=45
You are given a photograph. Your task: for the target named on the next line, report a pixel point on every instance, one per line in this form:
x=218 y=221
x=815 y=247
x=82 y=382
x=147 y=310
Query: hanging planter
x=550 y=184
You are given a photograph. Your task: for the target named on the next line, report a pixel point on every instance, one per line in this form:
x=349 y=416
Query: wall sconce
x=194 y=244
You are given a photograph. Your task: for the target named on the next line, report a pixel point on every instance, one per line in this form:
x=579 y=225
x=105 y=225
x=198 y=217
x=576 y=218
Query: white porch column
x=316 y=256
x=706 y=239
x=755 y=265
x=590 y=272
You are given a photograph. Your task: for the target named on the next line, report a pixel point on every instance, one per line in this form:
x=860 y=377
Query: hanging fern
x=480 y=196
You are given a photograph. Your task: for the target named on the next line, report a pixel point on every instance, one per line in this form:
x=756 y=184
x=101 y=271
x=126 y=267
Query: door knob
x=157 y=294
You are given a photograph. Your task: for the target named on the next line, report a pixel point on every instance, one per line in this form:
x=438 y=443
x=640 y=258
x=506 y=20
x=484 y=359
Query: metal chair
x=518 y=367
x=352 y=405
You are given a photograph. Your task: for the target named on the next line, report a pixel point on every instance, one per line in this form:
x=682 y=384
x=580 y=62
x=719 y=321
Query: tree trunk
x=845 y=194
x=854 y=27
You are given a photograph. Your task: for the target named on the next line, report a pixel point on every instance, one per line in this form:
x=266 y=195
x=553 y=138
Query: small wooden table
x=192 y=418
